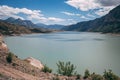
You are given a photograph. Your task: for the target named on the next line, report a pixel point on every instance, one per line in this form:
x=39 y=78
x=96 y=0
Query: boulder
x=34 y=62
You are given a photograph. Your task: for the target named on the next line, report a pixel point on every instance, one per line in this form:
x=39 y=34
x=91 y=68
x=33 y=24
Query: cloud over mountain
x=109 y=2
x=7 y=11
x=102 y=6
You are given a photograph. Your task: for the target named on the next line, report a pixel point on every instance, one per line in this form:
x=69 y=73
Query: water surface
x=92 y=51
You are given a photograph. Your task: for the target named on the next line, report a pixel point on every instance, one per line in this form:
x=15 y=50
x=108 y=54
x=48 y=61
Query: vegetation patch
x=66 y=69
x=9 y=58
x=46 y=69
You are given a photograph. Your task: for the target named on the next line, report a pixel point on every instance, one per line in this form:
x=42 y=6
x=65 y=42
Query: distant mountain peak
x=19 y=21
x=10 y=19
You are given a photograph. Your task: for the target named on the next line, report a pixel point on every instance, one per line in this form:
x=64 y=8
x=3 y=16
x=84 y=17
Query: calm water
x=92 y=51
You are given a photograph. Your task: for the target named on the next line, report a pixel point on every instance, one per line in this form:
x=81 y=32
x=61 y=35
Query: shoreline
x=113 y=34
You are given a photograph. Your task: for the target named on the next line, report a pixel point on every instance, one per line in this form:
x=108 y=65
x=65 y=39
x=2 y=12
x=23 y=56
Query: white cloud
x=7 y=11
x=90 y=15
x=83 y=5
x=103 y=6
x=71 y=21
x=70 y=14
x=104 y=11
x=84 y=17
x=73 y=14
x=55 y=19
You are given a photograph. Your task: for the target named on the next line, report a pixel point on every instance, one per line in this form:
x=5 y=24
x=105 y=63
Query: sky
x=64 y=12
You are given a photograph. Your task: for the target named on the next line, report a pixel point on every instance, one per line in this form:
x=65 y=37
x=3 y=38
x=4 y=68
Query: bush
x=46 y=69
x=1 y=75
x=66 y=69
x=9 y=58
x=109 y=75
x=86 y=74
x=78 y=77
x=96 y=77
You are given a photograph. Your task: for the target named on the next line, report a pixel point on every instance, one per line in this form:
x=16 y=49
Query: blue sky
x=63 y=12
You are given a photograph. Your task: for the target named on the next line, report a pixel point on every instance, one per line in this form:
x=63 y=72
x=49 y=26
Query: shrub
x=96 y=77
x=109 y=75
x=66 y=69
x=9 y=58
x=46 y=69
x=86 y=74
x=78 y=77
x=1 y=75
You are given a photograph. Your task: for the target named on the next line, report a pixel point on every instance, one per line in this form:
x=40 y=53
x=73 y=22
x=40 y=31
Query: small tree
x=46 y=69
x=86 y=74
x=9 y=58
x=66 y=69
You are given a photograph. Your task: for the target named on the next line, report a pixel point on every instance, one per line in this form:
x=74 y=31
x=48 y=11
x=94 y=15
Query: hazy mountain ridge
x=19 y=21
x=53 y=26
x=109 y=23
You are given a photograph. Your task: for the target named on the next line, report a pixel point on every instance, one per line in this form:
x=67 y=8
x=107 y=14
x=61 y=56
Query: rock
x=35 y=62
x=3 y=46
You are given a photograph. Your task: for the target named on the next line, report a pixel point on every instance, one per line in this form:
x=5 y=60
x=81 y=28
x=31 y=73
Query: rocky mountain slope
x=109 y=23
x=9 y=29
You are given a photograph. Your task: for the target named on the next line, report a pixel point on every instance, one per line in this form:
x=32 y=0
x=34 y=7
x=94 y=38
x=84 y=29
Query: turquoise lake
x=93 y=51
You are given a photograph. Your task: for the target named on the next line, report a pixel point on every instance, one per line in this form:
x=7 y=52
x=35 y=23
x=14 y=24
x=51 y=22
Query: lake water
x=86 y=50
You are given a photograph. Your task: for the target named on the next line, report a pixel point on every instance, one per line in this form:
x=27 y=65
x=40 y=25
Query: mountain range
x=110 y=23
x=30 y=24
x=13 y=26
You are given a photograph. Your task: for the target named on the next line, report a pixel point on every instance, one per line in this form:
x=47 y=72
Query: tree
x=66 y=69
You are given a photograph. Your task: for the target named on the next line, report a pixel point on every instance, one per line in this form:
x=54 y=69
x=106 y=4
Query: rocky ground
x=20 y=70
